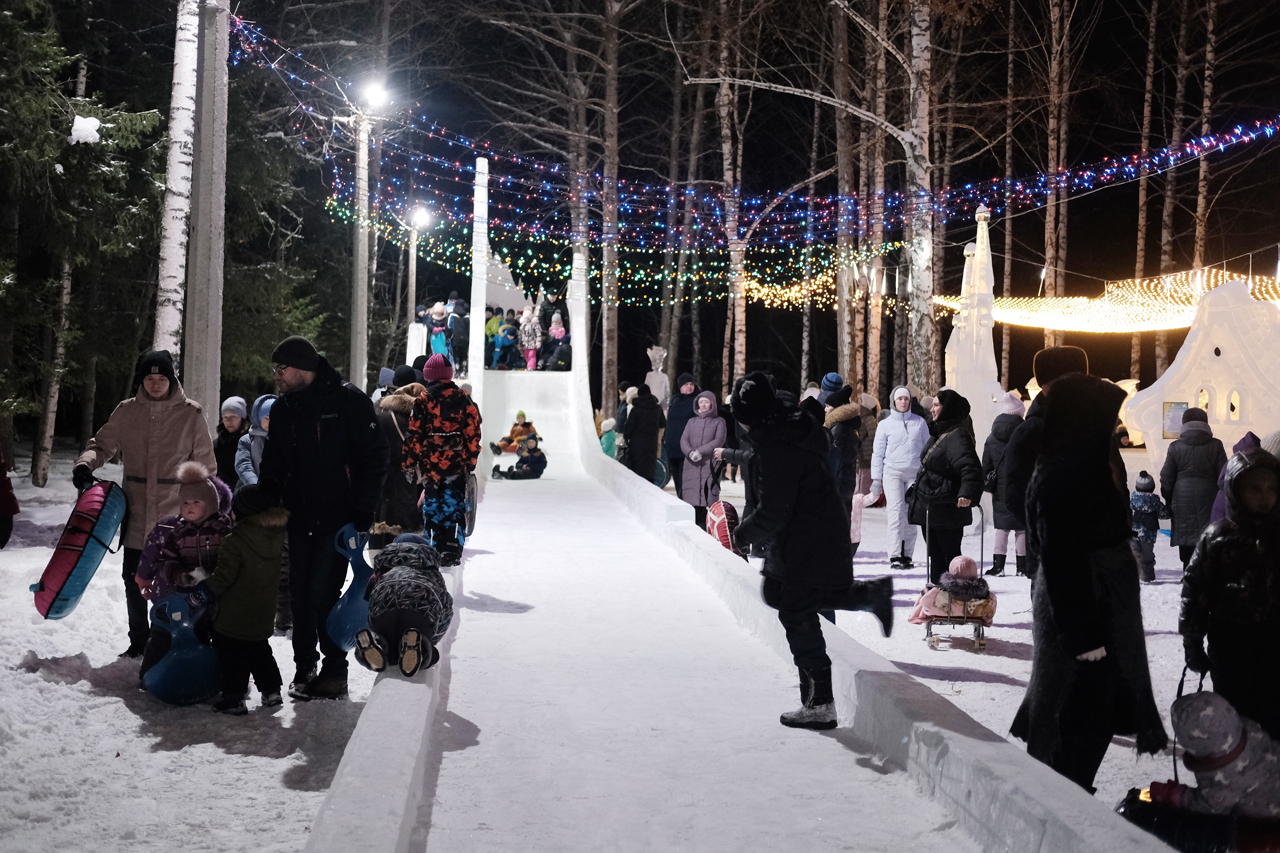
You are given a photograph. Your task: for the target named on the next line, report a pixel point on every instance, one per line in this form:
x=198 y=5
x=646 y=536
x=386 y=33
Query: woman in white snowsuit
x=899 y=441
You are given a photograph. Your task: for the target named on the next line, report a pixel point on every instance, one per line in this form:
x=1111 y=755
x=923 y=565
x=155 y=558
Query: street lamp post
x=375 y=97
x=419 y=219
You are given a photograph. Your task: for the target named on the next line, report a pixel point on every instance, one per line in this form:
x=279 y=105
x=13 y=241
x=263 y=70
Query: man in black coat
x=644 y=419
x=679 y=413
x=808 y=565
x=551 y=304
x=327 y=458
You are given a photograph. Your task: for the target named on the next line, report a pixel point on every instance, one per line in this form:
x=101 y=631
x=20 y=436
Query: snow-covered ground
x=989 y=685
x=90 y=762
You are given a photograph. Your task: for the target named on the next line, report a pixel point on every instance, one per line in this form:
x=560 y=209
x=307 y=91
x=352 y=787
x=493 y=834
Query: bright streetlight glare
x=420 y=218
x=376 y=96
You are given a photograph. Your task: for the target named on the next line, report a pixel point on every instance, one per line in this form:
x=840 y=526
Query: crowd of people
x=243 y=523
x=531 y=339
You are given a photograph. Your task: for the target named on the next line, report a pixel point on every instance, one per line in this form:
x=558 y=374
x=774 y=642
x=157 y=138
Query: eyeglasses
x=279 y=369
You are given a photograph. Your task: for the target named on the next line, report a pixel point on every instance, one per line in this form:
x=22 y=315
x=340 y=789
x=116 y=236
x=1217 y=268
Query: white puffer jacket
x=900 y=439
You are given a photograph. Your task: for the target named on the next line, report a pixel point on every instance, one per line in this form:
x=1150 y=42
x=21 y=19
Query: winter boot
x=134 y=651
x=325 y=686
x=881 y=604
x=497 y=451
x=272 y=699
x=817 y=705
x=369 y=650
x=497 y=474
x=416 y=653
x=301 y=679
x=1021 y=562
x=232 y=704
x=997 y=565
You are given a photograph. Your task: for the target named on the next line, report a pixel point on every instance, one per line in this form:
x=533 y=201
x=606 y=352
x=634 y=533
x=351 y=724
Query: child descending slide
x=530 y=466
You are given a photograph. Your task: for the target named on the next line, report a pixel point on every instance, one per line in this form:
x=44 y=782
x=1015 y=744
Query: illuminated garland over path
x=1133 y=305
x=424 y=164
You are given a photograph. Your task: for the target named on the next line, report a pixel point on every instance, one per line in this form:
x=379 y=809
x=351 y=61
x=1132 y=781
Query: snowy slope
x=92 y=763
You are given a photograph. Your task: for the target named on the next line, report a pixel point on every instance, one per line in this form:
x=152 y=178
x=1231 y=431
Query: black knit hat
x=684 y=379
x=296 y=351
x=157 y=361
x=753 y=398
x=404 y=375
x=1052 y=362
x=1195 y=414
x=251 y=500
x=841 y=397
x=419 y=362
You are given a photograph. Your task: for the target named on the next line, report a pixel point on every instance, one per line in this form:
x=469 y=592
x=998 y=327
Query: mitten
x=200 y=596
x=82 y=477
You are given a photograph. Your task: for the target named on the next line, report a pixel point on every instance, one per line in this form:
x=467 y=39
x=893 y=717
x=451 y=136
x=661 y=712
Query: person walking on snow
x=154 y=432
x=1189 y=481
x=233 y=425
x=441 y=450
x=326 y=458
x=948 y=483
x=995 y=481
x=808 y=565
x=894 y=462
x=644 y=419
x=702 y=435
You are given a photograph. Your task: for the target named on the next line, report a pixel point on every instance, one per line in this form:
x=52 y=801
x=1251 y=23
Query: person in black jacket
x=679 y=413
x=1189 y=481
x=551 y=304
x=327 y=458
x=1231 y=592
x=808 y=566
x=1089 y=674
x=844 y=422
x=644 y=419
x=993 y=468
x=948 y=483
x=234 y=424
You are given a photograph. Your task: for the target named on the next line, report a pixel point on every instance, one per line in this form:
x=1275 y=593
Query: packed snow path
x=601 y=697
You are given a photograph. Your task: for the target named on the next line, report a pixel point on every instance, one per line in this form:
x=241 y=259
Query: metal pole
x=479 y=279
x=411 y=289
x=202 y=331
x=359 y=367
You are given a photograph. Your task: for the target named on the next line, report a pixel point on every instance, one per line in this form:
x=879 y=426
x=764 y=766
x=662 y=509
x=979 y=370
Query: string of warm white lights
x=1160 y=303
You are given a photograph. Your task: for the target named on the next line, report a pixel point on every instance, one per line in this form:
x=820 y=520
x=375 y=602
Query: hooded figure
x=459 y=334
x=398 y=510
x=798 y=517
x=1231 y=592
x=844 y=423
x=996 y=481
x=949 y=480
x=868 y=409
x=679 y=413
x=702 y=435
x=249 y=450
x=644 y=419
x=1248 y=444
x=1189 y=481
x=1089 y=675
x=894 y=462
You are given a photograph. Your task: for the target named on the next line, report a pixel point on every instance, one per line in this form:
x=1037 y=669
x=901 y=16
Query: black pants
x=242 y=658
x=514 y=473
x=944 y=546
x=798 y=608
x=700 y=517
x=391 y=625
x=1184 y=554
x=675 y=464
x=316 y=575
x=139 y=625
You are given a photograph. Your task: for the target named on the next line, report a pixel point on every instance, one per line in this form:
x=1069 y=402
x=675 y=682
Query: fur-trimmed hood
x=276 y=516
x=846 y=412
x=401 y=400
x=964 y=589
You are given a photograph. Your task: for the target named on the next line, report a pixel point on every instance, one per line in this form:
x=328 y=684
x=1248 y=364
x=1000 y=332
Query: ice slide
x=613 y=682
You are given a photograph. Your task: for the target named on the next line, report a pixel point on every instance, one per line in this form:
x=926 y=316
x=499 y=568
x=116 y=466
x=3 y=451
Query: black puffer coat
x=949 y=469
x=798 y=513
x=1020 y=460
x=1086 y=594
x=224 y=450
x=398 y=510
x=993 y=459
x=644 y=419
x=1231 y=594
x=1189 y=481
x=326 y=452
x=845 y=426
x=408 y=578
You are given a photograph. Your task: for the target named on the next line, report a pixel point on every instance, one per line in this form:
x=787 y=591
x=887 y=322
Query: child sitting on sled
x=530 y=466
x=960 y=593
x=409 y=608
x=182 y=550
x=244 y=586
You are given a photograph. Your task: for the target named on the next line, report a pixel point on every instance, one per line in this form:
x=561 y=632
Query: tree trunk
x=88 y=400
x=1005 y=330
x=807 y=317
x=177 y=193
x=948 y=153
x=727 y=109
x=669 y=306
x=687 y=235
x=846 y=283
x=875 y=302
x=1064 y=124
x=1053 y=156
x=695 y=334
x=1181 y=71
x=920 y=356
x=609 y=253
x=901 y=327
x=1206 y=112
x=48 y=419
x=1140 y=264
x=726 y=368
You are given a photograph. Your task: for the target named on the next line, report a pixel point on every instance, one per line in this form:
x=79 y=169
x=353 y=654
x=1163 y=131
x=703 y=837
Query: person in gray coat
x=704 y=432
x=1189 y=481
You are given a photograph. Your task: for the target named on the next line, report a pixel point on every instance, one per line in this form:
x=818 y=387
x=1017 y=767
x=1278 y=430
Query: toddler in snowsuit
x=531 y=464
x=245 y=586
x=960 y=593
x=409 y=608
x=1231 y=592
x=530 y=336
x=249 y=450
x=441 y=450
x=182 y=550
x=608 y=438
x=505 y=345
x=439 y=330
x=1237 y=764
x=1146 y=525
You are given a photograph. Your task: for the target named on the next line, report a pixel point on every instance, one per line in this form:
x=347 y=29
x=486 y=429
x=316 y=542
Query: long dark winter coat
x=798 y=514
x=994 y=453
x=644 y=419
x=224 y=451
x=949 y=470
x=679 y=413
x=704 y=433
x=1189 y=481
x=845 y=425
x=1086 y=594
x=1231 y=594
x=326 y=452
x=1248 y=444
x=407 y=578
x=1020 y=460
x=398 y=510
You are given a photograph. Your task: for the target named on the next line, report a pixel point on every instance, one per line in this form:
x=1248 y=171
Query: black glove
x=201 y=596
x=362 y=520
x=1193 y=650
x=82 y=477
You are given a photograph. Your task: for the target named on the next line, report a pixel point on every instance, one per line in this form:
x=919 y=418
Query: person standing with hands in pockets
x=895 y=460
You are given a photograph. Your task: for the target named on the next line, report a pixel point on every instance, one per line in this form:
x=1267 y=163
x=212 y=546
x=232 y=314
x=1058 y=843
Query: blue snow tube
x=188 y=673
x=351 y=614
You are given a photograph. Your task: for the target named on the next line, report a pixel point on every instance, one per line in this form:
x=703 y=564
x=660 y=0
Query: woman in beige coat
x=154 y=433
